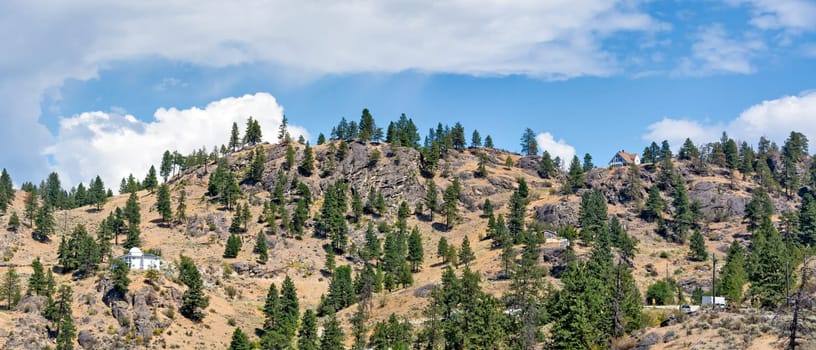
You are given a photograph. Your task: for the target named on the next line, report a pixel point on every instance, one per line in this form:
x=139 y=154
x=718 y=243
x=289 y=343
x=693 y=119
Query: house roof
x=627 y=157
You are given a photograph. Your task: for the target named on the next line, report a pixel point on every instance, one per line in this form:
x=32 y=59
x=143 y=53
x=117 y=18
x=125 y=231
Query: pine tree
x=529 y=145
x=257 y=165
x=475 y=139
x=442 y=249
x=289 y=309
x=121 y=281
x=654 y=205
x=575 y=176
x=333 y=336
x=10 y=289
x=239 y=341
x=683 y=216
x=466 y=255
x=547 y=168
x=431 y=197
x=193 y=301
x=6 y=191
x=235 y=138
x=261 y=248
x=588 y=163
x=233 y=246
x=450 y=205
x=166 y=165
x=44 y=224
x=306 y=167
x=766 y=266
x=66 y=332
x=150 y=182
x=252 y=135
x=271 y=309
x=415 y=250
x=356 y=206
x=307 y=334
x=688 y=151
x=282 y=130
x=181 y=209
x=488 y=142
x=13 y=222
x=163 y=203
x=133 y=238
x=132 y=211
x=37 y=282
x=698 y=248
x=733 y=275
x=290 y=157
x=31 y=206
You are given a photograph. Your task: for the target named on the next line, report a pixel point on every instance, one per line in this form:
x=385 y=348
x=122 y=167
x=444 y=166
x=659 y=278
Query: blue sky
x=596 y=76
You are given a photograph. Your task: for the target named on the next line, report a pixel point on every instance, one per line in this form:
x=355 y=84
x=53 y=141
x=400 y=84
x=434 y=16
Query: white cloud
x=677 y=130
x=557 y=148
x=789 y=15
x=117 y=144
x=47 y=42
x=774 y=119
x=716 y=52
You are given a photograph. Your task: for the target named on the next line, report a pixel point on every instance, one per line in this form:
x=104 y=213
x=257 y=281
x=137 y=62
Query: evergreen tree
x=121 y=281
x=257 y=165
x=31 y=206
x=431 y=197
x=10 y=289
x=475 y=139
x=150 y=182
x=133 y=238
x=466 y=255
x=766 y=264
x=6 y=191
x=307 y=334
x=488 y=142
x=733 y=275
x=289 y=309
x=683 y=218
x=282 y=130
x=415 y=250
x=372 y=248
x=588 y=163
x=321 y=139
x=688 y=151
x=442 y=249
x=235 y=138
x=97 y=193
x=252 y=135
x=132 y=211
x=163 y=203
x=546 y=167
x=290 y=157
x=654 y=205
x=66 y=331
x=333 y=336
x=306 y=167
x=44 y=224
x=239 y=341
x=181 y=209
x=575 y=176
x=37 y=281
x=261 y=248
x=356 y=206
x=698 y=248
x=193 y=301
x=233 y=246
x=271 y=309
x=166 y=165
x=13 y=222
x=529 y=145
x=807 y=219
x=367 y=126
x=341 y=290
x=450 y=205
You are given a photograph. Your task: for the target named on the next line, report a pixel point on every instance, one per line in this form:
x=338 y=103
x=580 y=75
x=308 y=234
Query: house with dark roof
x=624 y=159
x=137 y=260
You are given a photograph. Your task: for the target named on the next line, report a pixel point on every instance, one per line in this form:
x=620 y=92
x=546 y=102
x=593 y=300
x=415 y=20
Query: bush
x=660 y=293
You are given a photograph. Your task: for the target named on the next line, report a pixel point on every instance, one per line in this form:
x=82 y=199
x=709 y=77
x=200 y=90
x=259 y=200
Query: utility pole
x=714 y=281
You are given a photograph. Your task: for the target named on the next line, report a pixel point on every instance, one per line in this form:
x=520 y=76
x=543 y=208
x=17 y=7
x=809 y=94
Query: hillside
x=148 y=315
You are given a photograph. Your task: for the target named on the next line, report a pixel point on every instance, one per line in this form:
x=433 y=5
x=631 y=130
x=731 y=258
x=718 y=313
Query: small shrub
x=664 y=255
x=231 y=322
x=231 y=291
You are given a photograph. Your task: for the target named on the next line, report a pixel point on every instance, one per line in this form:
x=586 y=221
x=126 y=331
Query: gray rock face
x=86 y=339
x=31 y=304
x=647 y=341
x=717 y=201
x=31 y=332
x=558 y=214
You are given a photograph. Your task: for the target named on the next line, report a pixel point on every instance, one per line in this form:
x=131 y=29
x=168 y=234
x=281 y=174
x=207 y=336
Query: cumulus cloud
x=46 y=43
x=774 y=119
x=557 y=148
x=117 y=144
x=716 y=52
x=790 y=15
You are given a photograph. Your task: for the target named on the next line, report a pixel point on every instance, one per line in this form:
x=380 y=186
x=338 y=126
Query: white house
x=624 y=159
x=140 y=261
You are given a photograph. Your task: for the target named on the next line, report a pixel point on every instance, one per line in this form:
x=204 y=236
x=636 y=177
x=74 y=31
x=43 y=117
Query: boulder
x=647 y=341
x=717 y=201
x=86 y=339
x=558 y=214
